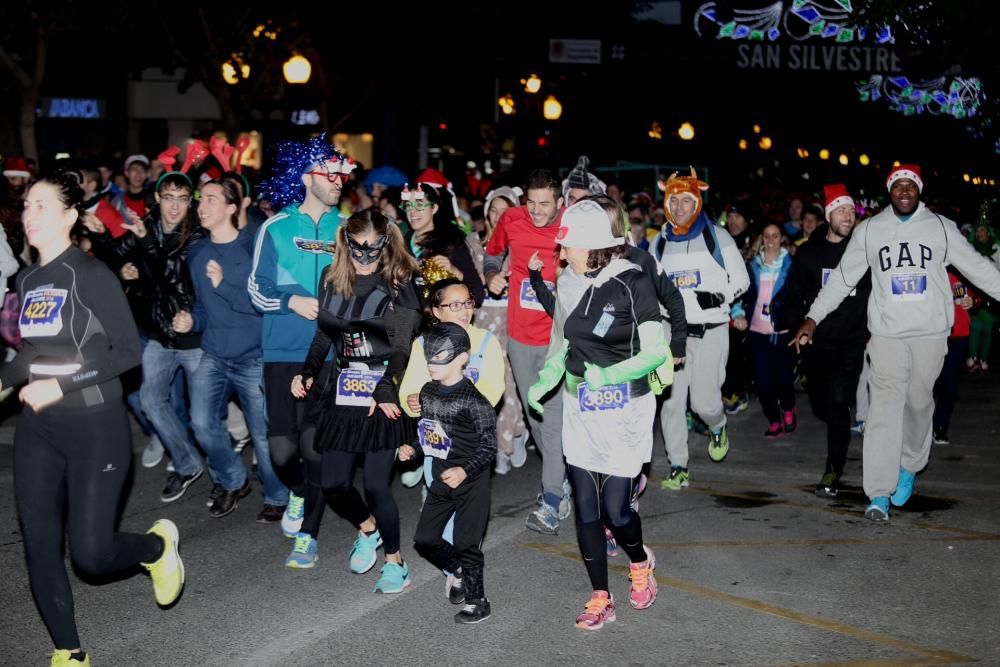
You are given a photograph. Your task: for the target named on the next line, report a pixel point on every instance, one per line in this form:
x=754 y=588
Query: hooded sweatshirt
x=911 y=296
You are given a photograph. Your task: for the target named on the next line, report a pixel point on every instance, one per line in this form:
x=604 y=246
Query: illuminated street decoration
x=960 y=99
x=802 y=20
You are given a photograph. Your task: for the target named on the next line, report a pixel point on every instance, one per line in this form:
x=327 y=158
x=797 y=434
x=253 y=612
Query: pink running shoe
x=612 y=543
x=600 y=609
x=643 y=591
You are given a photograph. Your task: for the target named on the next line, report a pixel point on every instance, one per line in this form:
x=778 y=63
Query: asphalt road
x=753 y=569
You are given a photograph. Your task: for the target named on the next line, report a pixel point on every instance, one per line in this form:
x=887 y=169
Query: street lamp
x=552 y=109
x=532 y=84
x=297 y=69
x=507 y=104
x=686 y=131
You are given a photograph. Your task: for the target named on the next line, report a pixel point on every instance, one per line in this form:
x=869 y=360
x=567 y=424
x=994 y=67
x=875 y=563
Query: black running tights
x=69 y=469
x=601 y=499
x=338 y=474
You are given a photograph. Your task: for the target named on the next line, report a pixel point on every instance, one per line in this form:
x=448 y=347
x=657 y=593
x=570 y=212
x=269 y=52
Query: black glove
x=708 y=300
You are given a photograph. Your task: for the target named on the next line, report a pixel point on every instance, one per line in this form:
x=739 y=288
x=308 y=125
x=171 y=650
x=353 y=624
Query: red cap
x=835 y=195
x=910 y=171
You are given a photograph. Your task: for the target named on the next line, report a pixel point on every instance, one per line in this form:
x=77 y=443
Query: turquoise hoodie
x=290 y=253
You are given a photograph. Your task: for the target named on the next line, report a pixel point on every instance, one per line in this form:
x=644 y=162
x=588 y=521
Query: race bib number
x=433 y=440
x=826 y=276
x=609 y=397
x=529 y=299
x=355 y=386
x=689 y=279
x=603 y=324
x=490 y=302
x=315 y=246
x=472 y=374
x=41 y=314
x=909 y=286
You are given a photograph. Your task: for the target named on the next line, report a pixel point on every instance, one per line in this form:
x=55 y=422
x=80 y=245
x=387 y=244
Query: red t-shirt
x=527 y=322
x=961 y=327
x=136 y=204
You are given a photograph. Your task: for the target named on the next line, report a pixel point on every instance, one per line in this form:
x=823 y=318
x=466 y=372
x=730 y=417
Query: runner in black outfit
x=72 y=447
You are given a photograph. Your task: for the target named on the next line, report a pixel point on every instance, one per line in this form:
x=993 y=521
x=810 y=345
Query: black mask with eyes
x=443 y=342
x=365 y=253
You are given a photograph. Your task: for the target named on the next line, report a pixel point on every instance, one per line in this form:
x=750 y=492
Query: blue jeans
x=159 y=366
x=211 y=387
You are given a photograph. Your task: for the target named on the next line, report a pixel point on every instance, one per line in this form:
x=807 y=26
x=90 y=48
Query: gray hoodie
x=911 y=296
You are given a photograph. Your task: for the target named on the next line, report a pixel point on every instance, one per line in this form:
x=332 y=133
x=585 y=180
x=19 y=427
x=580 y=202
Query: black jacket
x=848 y=324
x=164 y=287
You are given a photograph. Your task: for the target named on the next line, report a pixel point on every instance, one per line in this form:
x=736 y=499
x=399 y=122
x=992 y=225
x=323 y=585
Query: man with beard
x=291 y=250
x=706 y=266
x=910 y=313
x=833 y=363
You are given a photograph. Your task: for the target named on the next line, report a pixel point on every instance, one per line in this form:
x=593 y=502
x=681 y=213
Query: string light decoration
x=802 y=20
x=960 y=99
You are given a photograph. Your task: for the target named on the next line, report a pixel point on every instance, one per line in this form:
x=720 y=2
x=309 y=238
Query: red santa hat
x=434 y=177
x=910 y=171
x=16 y=166
x=835 y=195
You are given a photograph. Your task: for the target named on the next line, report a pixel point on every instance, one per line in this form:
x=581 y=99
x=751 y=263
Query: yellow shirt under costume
x=491 y=370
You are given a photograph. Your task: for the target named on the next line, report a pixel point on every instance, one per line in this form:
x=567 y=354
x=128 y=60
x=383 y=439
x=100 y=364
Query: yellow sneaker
x=61 y=658
x=168 y=571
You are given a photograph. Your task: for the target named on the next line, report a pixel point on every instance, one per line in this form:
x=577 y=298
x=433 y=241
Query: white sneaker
x=520 y=453
x=153 y=453
x=411 y=478
x=170 y=466
x=503 y=463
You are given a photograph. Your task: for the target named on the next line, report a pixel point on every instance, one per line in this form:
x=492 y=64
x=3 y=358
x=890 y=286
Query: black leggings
x=832 y=383
x=69 y=469
x=602 y=499
x=295 y=462
x=338 y=474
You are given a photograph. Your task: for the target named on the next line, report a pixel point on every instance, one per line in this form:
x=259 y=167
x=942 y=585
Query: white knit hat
x=586 y=225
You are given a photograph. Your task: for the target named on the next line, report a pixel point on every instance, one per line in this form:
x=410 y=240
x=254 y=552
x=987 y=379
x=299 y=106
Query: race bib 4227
x=41 y=314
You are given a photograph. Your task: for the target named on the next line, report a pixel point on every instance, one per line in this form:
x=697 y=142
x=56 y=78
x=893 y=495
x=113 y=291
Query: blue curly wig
x=290 y=160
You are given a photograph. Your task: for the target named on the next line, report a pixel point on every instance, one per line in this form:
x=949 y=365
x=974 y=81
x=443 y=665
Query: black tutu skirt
x=348 y=428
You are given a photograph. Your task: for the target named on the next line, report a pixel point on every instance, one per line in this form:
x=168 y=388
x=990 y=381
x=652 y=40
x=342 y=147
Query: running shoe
x=63 y=658
x=829 y=485
x=395 y=578
x=941 y=438
x=167 y=571
x=304 y=554
x=503 y=464
x=543 y=520
x=612 y=542
x=878 y=510
x=363 y=552
x=474 y=611
x=790 y=421
x=600 y=609
x=904 y=488
x=240 y=445
x=153 y=453
x=677 y=480
x=411 y=478
x=718 y=445
x=774 y=431
x=642 y=593
x=177 y=485
x=291 y=521
x=520 y=453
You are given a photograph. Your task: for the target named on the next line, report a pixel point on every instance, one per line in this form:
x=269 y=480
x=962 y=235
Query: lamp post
x=297 y=69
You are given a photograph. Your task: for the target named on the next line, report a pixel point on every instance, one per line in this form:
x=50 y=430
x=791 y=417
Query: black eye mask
x=443 y=342
x=366 y=254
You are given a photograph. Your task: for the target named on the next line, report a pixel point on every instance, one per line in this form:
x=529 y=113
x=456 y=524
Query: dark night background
x=391 y=71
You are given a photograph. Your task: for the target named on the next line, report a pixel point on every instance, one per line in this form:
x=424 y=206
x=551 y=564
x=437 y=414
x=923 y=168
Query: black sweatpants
x=773 y=373
x=69 y=469
x=470 y=503
x=601 y=499
x=832 y=374
x=338 y=474
x=946 y=387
